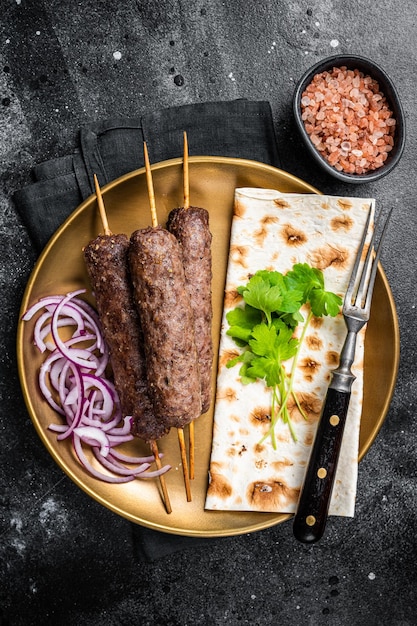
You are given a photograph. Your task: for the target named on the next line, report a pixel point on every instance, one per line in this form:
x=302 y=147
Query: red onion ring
x=72 y=382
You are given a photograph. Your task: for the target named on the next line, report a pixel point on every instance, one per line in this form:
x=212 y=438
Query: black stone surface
x=64 y=559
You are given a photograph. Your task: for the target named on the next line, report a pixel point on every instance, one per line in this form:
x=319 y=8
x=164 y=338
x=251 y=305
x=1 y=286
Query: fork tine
x=363 y=295
x=365 y=277
x=375 y=262
x=349 y=296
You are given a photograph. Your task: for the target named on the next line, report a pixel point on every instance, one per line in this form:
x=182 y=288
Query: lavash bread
x=271 y=230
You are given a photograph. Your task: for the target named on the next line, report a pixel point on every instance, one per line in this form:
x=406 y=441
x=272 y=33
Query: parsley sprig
x=264 y=329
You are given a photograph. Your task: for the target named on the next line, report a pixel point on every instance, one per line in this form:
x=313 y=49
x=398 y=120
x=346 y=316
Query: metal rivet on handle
x=322 y=472
x=334 y=420
x=310 y=520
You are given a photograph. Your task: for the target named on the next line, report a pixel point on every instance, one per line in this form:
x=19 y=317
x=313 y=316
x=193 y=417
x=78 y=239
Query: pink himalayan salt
x=348 y=120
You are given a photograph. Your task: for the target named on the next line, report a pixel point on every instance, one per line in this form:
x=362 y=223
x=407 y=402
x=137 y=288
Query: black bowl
x=388 y=89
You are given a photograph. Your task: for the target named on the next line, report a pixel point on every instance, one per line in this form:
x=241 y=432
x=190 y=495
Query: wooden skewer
x=183 y=451
x=186 y=187
x=155 y=452
x=153 y=444
x=185 y=174
x=101 y=208
x=155 y=224
x=149 y=183
x=191 y=449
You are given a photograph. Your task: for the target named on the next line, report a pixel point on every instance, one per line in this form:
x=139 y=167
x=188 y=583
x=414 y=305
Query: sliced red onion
x=132 y=459
x=92 y=470
x=116 y=467
x=42 y=303
x=80 y=405
x=53 y=366
x=124 y=429
x=117 y=439
x=44 y=369
x=94 y=434
x=66 y=382
x=79 y=357
x=157 y=472
x=107 y=392
x=58 y=428
x=72 y=381
x=39 y=332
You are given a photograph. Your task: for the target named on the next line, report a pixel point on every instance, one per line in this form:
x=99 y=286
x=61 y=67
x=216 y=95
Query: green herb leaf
x=310 y=281
x=324 y=303
x=244 y=373
x=260 y=295
x=241 y=321
x=265 y=368
x=263 y=340
x=265 y=326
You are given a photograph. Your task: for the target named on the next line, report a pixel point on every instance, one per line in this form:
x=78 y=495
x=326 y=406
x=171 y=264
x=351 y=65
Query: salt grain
x=347 y=106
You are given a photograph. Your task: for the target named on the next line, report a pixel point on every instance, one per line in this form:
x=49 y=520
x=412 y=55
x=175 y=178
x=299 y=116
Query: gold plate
x=60 y=269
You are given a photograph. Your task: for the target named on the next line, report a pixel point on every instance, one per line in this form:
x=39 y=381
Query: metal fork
x=311 y=516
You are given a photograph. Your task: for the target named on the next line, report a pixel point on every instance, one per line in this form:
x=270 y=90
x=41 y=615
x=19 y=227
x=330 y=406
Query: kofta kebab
x=153 y=297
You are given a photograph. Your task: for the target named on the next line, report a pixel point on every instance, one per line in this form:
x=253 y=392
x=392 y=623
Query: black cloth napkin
x=111 y=148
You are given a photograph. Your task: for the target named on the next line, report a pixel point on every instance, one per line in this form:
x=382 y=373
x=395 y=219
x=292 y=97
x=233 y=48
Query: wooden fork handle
x=311 y=516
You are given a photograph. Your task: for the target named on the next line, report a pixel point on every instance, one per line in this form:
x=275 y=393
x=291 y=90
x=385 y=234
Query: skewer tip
x=186 y=184
x=192 y=449
x=183 y=452
x=149 y=182
x=155 y=452
x=101 y=207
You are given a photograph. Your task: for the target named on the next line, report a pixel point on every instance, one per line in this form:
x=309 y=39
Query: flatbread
x=271 y=230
